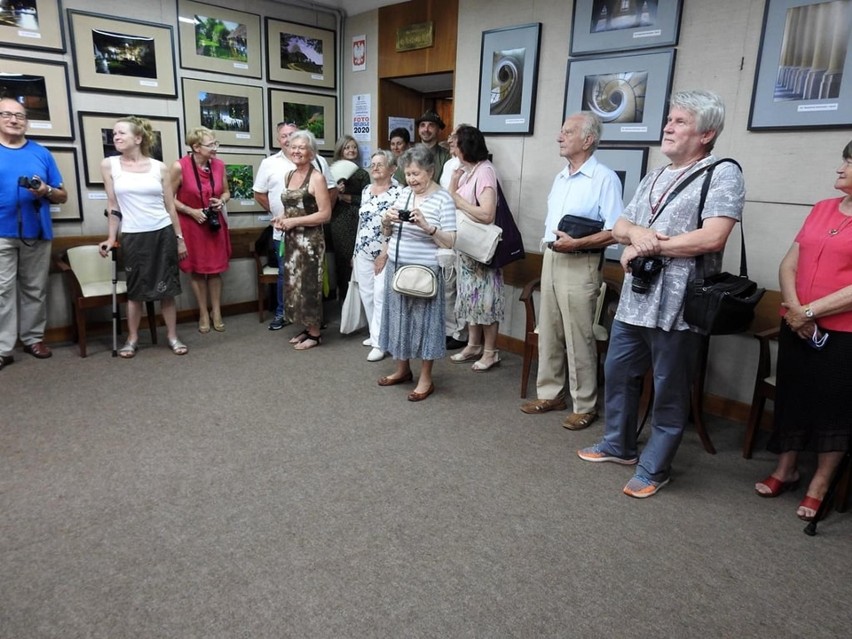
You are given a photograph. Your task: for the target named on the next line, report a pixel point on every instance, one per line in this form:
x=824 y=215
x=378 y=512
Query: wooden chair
x=604 y=314
x=764 y=387
x=89 y=279
x=265 y=275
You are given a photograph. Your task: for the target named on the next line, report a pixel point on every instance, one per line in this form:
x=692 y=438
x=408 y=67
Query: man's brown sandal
x=579 y=421
x=539 y=406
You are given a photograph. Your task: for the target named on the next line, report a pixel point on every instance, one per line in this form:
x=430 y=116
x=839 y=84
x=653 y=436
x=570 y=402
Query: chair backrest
x=88 y=265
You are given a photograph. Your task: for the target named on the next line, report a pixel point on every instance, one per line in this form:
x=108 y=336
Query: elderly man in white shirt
x=571 y=274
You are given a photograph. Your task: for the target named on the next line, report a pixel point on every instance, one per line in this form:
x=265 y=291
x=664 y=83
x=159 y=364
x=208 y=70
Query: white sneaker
x=376 y=355
x=367 y=342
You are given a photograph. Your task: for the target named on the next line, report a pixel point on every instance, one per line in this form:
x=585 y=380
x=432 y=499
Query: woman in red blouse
x=814 y=376
x=201 y=191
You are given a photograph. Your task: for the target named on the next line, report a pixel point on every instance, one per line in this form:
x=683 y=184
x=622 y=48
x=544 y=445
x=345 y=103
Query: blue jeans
x=673 y=356
x=279 y=287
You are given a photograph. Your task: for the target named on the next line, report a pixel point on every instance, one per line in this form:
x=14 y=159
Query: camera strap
x=198 y=180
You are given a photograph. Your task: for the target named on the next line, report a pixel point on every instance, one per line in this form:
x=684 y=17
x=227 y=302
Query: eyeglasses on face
x=211 y=145
x=10 y=115
x=378 y=166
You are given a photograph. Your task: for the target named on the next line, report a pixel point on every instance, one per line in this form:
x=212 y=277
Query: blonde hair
x=142 y=128
x=196 y=135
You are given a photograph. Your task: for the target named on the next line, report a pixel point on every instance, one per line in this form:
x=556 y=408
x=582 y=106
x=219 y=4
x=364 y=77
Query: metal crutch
x=115 y=317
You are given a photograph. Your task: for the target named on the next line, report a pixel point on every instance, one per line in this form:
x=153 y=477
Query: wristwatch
x=809 y=312
x=180 y=237
x=48 y=192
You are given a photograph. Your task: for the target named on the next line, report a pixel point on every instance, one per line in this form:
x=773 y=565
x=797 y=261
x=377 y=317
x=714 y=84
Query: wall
x=240 y=278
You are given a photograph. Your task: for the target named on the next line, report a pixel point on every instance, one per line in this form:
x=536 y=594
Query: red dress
x=208 y=251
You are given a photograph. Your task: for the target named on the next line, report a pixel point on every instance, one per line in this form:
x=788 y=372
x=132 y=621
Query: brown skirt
x=151 y=265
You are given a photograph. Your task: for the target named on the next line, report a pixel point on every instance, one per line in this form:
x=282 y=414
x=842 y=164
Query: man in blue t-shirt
x=29 y=183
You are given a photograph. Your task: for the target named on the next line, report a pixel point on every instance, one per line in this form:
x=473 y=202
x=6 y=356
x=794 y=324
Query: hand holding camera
x=33 y=183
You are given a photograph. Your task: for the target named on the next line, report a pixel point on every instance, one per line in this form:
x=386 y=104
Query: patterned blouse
x=370 y=239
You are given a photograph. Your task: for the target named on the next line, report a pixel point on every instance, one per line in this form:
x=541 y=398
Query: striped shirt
x=417 y=246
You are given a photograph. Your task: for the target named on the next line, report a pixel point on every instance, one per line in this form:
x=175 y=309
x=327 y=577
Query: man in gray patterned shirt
x=660 y=230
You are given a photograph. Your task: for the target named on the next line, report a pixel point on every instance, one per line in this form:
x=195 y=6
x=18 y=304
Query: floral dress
x=303 y=258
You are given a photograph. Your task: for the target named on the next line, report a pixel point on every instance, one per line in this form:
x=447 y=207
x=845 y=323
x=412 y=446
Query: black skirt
x=151 y=264
x=813 y=388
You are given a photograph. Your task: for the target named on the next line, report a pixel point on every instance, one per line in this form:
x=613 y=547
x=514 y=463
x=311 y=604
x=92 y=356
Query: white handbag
x=352 y=315
x=415 y=280
x=478 y=241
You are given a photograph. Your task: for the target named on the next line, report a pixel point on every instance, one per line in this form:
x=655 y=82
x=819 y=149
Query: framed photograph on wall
x=96 y=130
x=508 y=79
x=241 y=169
x=42 y=87
x=601 y=26
x=122 y=56
x=629 y=93
x=72 y=209
x=219 y=40
x=300 y=54
x=629 y=164
x=32 y=24
x=233 y=111
x=316 y=113
x=803 y=77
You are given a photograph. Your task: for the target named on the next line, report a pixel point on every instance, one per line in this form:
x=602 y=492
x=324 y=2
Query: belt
x=580 y=252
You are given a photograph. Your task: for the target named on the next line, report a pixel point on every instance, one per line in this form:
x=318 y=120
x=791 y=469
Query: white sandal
x=465 y=355
x=178 y=347
x=128 y=350
x=479 y=367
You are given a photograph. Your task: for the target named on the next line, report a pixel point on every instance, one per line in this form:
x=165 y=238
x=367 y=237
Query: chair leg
x=841 y=498
x=525 y=371
x=756 y=412
x=152 y=321
x=261 y=289
x=80 y=321
x=698 y=397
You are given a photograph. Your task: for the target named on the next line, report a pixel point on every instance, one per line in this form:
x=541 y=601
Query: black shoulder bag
x=721 y=304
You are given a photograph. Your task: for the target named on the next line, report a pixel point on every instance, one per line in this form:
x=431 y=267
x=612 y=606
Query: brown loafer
x=39 y=350
x=393 y=381
x=538 y=406
x=414 y=396
x=579 y=421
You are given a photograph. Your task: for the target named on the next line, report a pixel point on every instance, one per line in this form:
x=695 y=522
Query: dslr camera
x=404 y=216
x=645 y=270
x=28 y=182
x=212 y=218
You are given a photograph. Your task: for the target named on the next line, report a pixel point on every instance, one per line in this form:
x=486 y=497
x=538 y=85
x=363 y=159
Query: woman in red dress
x=201 y=191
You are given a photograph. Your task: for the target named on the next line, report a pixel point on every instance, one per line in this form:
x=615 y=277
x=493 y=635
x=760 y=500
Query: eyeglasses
x=9 y=115
x=211 y=145
x=378 y=166
x=818 y=340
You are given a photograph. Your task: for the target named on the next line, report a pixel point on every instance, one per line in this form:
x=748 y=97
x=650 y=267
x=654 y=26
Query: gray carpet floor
x=248 y=490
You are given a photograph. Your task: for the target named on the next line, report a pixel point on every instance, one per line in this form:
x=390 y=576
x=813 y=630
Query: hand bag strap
x=399 y=237
x=705 y=189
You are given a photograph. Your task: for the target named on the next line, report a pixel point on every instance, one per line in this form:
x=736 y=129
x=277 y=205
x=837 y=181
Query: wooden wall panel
x=396 y=100
x=440 y=57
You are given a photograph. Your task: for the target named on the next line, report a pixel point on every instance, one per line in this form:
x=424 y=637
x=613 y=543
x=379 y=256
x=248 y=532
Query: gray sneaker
x=278 y=323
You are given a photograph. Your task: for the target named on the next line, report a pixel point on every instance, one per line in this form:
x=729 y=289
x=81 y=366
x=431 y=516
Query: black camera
x=404 y=216
x=29 y=183
x=212 y=218
x=645 y=270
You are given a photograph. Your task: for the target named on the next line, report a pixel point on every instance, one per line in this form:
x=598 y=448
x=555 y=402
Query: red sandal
x=776 y=486
x=808 y=503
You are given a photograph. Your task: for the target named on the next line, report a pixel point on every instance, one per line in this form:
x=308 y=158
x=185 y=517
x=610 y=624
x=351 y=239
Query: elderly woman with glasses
x=201 y=191
x=813 y=380
x=371 y=246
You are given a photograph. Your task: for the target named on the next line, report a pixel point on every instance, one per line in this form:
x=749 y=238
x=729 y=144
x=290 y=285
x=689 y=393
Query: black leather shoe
x=5 y=360
x=453 y=344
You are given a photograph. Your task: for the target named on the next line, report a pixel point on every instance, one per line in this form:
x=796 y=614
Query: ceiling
x=349 y=7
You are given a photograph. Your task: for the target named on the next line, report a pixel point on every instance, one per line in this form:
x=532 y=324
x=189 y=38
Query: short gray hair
x=591 y=126
x=306 y=136
x=389 y=157
x=707 y=107
x=421 y=155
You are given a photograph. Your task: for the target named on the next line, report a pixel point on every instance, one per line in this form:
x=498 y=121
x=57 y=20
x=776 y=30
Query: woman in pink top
x=814 y=378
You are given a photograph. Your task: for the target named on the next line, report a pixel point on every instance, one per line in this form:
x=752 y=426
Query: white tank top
x=140 y=198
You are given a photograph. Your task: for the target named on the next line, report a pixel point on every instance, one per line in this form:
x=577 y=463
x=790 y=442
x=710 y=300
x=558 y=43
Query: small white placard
x=97 y=196
x=148 y=83
x=243 y=136
x=653 y=33
x=240 y=65
x=317 y=76
x=805 y=108
x=633 y=129
x=515 y=120
x=29 y=34
x=40 y=125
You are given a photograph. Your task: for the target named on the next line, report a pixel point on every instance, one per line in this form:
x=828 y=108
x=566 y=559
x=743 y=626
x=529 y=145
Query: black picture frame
x=312 y=111
x=147 y=67
x=72 y=209
x=241 y=169
x=641 y=81
x=233 y=111
x=598 y=27
x=317 y=52
x=93 y=128
x=42 y=86
x=630 y=164
x=38 y=26
x=238 y=29
x=508 y=79
x=787 y=95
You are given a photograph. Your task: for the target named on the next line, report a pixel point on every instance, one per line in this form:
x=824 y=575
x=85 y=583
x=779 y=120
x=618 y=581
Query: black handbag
x=578 y=226
x=721 y=304
x=510 y=248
